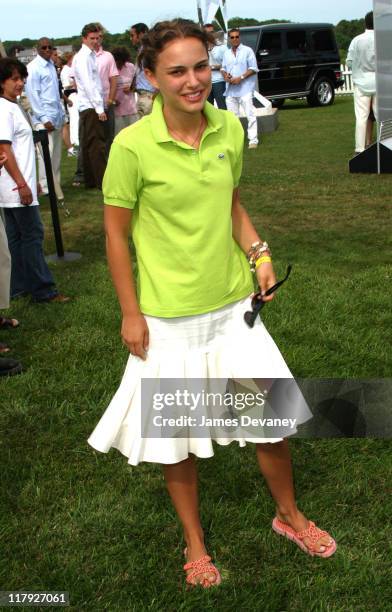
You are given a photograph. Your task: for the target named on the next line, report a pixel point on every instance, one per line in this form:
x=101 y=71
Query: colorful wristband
x=261 y=260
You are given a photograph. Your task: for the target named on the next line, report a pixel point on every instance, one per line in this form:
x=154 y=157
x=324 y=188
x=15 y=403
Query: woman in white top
x=18 y=192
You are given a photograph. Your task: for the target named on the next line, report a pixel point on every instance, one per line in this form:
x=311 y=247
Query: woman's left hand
x=266 y=278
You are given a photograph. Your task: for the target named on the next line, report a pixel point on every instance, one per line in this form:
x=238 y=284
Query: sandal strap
x=200 y=566
x=198 y=563
x=207 y=569
x=313 y=533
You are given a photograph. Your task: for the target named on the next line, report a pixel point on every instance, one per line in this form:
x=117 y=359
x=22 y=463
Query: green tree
x=243 y=22
x=347 y=30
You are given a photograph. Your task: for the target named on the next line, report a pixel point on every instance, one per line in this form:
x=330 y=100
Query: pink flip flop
x=202 y=566
x=312 y=532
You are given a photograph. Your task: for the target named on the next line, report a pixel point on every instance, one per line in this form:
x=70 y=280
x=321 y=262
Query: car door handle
x=301 y=66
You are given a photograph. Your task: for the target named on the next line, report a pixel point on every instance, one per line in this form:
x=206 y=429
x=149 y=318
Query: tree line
x=345 y=32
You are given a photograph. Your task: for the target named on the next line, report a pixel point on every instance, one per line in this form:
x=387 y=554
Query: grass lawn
x=75 y=520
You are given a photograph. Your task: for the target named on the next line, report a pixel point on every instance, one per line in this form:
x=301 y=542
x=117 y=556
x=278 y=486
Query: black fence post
x=41 y=137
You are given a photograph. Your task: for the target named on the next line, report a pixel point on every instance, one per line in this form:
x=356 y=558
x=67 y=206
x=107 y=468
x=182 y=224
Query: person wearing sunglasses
x=42 y=89
x=239 y=69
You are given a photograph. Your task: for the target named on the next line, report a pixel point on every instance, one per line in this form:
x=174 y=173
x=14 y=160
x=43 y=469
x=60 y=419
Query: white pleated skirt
x=215 y=345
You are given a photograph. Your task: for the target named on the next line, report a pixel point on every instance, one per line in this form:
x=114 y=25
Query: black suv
x=296 y=60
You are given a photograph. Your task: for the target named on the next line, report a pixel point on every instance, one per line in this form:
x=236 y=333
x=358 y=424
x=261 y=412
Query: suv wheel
x=278 y=102
x=323 y=93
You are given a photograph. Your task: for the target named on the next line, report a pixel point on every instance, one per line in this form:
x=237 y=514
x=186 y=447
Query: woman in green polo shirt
x=173 y=178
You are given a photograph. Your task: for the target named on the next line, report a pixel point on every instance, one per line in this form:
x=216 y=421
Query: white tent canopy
x=213 y=9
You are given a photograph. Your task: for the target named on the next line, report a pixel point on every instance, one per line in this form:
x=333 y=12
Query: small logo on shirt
x=221 y=155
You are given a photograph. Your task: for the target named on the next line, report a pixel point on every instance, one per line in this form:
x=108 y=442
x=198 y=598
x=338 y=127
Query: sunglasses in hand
x=257 y=301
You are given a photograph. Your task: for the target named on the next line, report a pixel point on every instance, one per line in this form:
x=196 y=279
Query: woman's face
x=13 y=87
x=183 y=75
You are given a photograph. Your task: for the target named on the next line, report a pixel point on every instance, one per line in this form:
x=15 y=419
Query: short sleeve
x=112 y=67
x=122 y=181
x=6 y=126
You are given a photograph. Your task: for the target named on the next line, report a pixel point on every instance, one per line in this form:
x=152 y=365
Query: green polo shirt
x=188 y=262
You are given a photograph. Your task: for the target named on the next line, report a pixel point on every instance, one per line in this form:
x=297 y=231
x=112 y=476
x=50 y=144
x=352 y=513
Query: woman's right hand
x=26 y=197
x=135 y=335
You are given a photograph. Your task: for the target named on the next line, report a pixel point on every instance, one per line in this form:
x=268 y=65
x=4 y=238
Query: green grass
x=75 y=520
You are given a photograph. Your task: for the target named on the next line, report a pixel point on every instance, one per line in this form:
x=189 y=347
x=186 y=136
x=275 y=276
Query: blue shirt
x=142 y=81
x=238 y=64
x=215 y=58
x=42 y=89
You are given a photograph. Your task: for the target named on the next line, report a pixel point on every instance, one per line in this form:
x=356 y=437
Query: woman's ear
x=151 y=77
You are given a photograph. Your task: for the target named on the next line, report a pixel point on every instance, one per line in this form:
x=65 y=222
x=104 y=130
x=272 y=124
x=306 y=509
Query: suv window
x=249 y=39
x=323 y=40
x=271 y=42
x=297 y=42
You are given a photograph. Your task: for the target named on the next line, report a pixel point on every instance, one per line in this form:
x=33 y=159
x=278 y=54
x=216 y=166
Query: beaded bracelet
x=257 y=250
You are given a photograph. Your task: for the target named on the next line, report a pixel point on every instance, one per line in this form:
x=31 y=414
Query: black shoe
x=10 y=367
x=59 y=298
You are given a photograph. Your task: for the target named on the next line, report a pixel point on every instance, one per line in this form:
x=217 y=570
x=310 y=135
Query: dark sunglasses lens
x=234 y=37
x=256 y=300
x=45 y=47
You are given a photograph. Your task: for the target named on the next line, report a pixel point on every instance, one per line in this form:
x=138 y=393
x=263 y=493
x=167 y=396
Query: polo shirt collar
x=159 y=127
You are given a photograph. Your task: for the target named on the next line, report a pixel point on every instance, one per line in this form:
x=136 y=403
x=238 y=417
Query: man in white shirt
x=361 y=60
x=91 y=108
x=239 y=68
x=215 y=55
x=42 y=89
x=108 y=74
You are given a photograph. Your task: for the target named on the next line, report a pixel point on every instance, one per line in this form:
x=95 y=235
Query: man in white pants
x=361 y=60
x=42 y=89
x=239 y=68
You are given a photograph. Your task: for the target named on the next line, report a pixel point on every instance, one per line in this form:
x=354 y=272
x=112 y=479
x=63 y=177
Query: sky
x=58 y=18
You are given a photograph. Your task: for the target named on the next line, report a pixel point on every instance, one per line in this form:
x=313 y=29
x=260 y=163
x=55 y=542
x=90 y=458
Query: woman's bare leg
x=181 y=482
x=275 y=465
